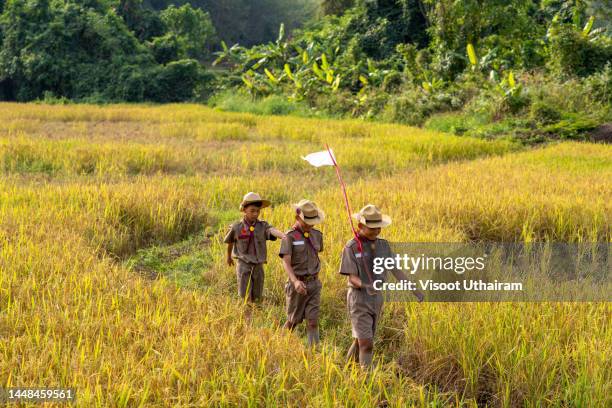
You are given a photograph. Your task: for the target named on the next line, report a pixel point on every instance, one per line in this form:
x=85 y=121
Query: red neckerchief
x=367 y=241
x=298 y=228
x=251 y=235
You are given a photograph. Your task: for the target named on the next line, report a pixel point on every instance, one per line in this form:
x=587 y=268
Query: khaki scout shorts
x=250 y=279
x=364 y=312
x=300 y=307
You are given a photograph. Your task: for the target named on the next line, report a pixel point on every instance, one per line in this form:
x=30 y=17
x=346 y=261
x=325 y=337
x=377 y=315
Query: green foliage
x=144 y=22
x=86 y=51
x=166 y=48
x=51 y=99
x=191 y=29
x=505 y=26
x=392 y=82
x=455 y=122
x=177 y=81
x=249 y=22
x=573 y=128
x=280 y=66
x=515 y=66
x=232 y=101
x=575 y=51
x=543 y=113
x=413 y=108
x=335 y=7
x=599 y=85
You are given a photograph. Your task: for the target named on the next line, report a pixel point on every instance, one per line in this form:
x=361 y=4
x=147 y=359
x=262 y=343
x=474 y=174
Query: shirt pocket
x=242 y=243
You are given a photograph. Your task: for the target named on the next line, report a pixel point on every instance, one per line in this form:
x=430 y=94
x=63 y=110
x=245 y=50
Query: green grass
x=237 y=101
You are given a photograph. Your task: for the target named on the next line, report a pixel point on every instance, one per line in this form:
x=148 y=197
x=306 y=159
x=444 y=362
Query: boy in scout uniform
x=246 y=242
x=364 y=302
x=300 y=253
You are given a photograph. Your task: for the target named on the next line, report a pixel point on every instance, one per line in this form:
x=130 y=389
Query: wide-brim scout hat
x=250 y=198
x=309 y=212
x=372 y=217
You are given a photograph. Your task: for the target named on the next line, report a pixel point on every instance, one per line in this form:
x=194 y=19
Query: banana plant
x=471 y=52
x=301 y=71
x=509 y=87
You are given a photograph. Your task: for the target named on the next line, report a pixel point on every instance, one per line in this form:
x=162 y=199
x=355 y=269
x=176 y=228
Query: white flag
x=319 y=159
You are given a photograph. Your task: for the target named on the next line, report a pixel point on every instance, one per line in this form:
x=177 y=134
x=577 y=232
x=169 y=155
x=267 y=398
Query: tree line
x=127 y=50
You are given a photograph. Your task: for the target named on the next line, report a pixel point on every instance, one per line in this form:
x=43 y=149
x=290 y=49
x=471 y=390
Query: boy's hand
x=419 y=295
x=369 y=288
x=230 y=261
x=300 y=287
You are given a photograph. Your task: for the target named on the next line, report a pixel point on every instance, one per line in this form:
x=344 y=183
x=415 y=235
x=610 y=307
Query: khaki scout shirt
x=352 y=263
x=249 y=246
x=304 y=254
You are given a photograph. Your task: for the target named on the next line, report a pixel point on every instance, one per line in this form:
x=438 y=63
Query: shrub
x=177 y=81
x=544 y=113
x=573 y=52
x=49 y=98
x=392 y=82
x=404 y=109
x=571 y=128
x=455 y=122
x=240 y=101
x=165 y=48
x=277 y=105
x=599 y=85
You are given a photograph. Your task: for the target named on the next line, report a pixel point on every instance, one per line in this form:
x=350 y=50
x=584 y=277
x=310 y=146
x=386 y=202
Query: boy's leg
x=312 y=329
x=366 y=347
x=311 y=311
x=246 y=274
x=257 y=282
x=362 y=312
x=295 y=304
x=366 y=344
x=353 y=352
x=243 y=276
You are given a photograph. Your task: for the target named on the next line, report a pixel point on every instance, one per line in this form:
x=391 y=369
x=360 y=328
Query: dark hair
x=257 y=204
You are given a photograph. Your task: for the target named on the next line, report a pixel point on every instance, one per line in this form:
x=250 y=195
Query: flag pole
x=349 y=212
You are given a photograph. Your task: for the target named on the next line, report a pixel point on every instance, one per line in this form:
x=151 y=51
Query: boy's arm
x=348 y=266
x=286 y=249
x=278 y=234
x=230 y=247
x=400 y=275
x=355 y=281
x=229 y=239
x=300 y=287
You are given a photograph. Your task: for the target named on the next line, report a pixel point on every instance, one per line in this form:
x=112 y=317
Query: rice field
x=113 y=281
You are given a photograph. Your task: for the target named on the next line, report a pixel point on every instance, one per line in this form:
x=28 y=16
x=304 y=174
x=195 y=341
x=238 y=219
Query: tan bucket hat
x=252 y=197
x=309 y=212
x=372 y=217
